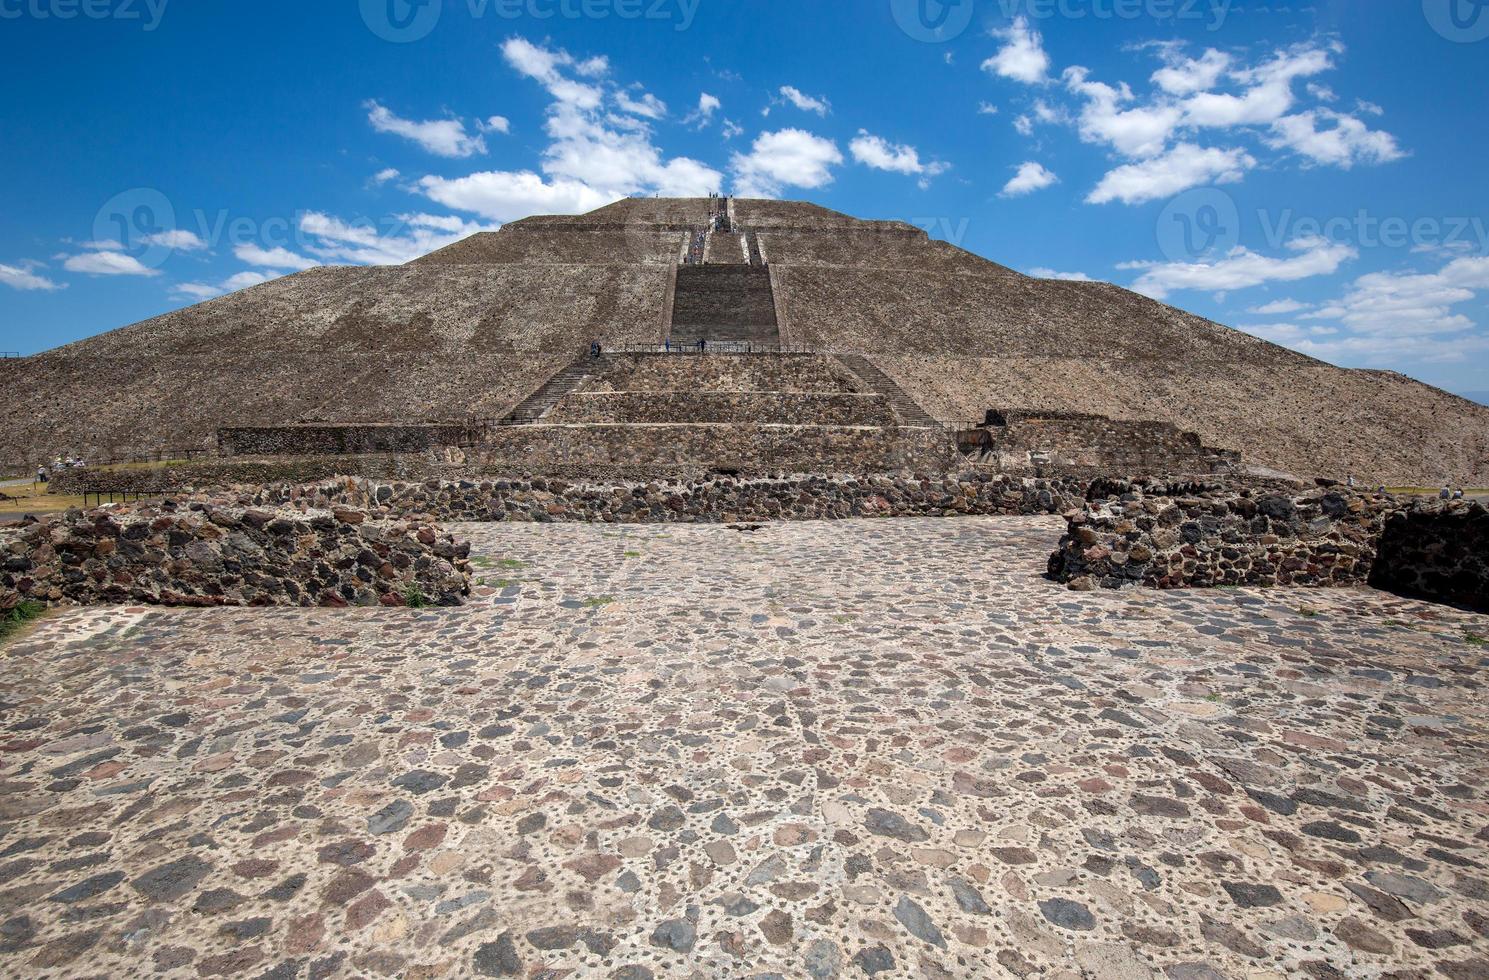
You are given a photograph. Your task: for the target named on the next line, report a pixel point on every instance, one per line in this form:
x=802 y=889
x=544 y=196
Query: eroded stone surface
x=859 y=748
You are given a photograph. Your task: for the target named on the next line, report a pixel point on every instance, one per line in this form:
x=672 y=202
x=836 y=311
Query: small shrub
x=12 y=620
x=1310 y=613
x=413 y=597
x=598 y=601
x=1474 y=639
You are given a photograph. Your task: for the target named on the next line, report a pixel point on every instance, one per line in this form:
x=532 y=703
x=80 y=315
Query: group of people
x=1448 y=493
x=44 y=473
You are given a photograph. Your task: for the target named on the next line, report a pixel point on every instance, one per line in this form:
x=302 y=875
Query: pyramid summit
x=872 y=323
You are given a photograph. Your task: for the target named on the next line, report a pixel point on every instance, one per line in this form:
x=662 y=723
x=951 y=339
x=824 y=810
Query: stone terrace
x=846 y=749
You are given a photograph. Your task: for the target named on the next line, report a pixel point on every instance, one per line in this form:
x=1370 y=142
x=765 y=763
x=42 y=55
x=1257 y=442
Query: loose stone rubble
x=856 y=748
x=206 y=555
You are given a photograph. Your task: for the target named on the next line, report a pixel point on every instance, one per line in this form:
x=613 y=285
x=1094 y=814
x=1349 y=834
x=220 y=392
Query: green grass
x=511 y=564
x=633 y=554
x=413 y=597
x=1310 y=613
x=598 y=601
x=15 y=620
x=1474 y=639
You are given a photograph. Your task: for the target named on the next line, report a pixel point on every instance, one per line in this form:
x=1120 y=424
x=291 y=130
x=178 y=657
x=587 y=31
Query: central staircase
x=880 y=383
x=724 y=304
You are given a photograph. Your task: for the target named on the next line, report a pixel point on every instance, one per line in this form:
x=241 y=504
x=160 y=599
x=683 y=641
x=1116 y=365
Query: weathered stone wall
x=342 y=439
x=218 y=473
x=1223 y=538
x=725 y=373
x=1437 y=550
x=703 y=501
x=228 y=556
x=744 y=448
x=1096 y=444
x=780 y=408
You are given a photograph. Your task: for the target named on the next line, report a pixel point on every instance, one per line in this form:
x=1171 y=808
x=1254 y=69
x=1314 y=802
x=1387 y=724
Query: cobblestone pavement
x=805 y=750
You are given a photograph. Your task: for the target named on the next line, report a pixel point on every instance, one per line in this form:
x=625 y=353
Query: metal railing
x=707 y=347
x=120 y=496
x=159 y=456
x=10 y=355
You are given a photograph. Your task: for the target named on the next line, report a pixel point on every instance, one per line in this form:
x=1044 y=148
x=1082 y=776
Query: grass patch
x=1475 y=640
x=511 y=564
x=32 y=498
x=506 y=583
x=1310 y=613
x=633 y=554
x=15 y=620
x=414 y=598
x=598 y=601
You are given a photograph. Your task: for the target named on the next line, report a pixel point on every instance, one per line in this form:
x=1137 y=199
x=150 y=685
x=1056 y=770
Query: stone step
x=905 y=406
x=540 y=402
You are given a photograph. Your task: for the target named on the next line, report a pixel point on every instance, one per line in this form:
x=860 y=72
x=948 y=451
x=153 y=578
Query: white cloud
x=1242 y=269
x=1022 y=57
x=804 y=102
x=405 y=238
x=199 y=291
x=787 y=158
x=880 y=154
x=1411 y=303
x=543 y=64
x=108 y=263
x=507 y=196
x=1267 y=94
x=1031 y=177
x=384 y=176
x=272 y=258
x=21 y=277
x=442 y=137
x=1024 y=125
x=1042 y=273
x=1186 y=76
x=1343 y=144
x=1141 y=131
x=498 y=124
x=986 y=109
x=707 y=106
x=178 y=239
x=1181 y=168
x=644 y=104
x=1281 y=307
x=732 y=129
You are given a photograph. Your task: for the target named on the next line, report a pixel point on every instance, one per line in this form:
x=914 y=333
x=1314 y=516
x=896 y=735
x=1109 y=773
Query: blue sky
x=1312 y=175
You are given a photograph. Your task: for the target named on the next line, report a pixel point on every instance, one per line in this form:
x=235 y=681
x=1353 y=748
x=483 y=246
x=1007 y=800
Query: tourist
x=1349 y=481
x=1457 y=494
x=41 y=474
x=1447 y=493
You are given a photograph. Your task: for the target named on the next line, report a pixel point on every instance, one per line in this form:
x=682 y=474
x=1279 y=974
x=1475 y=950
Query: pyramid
x=484 y=326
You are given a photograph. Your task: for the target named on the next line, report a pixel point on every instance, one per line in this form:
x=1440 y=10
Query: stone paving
x=882 y=749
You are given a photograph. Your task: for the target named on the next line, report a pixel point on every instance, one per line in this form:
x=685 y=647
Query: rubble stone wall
x=205 y=555
x=1223 y=538
x=1438 y=551
x=699 y=501
x=333 y=439
x=642 y=407
x=744 y=448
